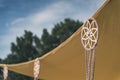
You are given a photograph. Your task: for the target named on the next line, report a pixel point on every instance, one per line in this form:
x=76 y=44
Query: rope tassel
x=89 y=38
x=36 y=69
x=5 y=72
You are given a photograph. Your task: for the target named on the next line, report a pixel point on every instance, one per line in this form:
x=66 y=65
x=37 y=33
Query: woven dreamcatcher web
x=5 y=72
x=89 y=38
x=36 y=69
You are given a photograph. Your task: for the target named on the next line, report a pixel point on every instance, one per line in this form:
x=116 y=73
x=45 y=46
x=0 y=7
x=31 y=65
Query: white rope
x=36 y=69
x=90 y=64
x=87 y=66
x=5 y=72
x=89 y=38
x=93 y=64
x=89 y=34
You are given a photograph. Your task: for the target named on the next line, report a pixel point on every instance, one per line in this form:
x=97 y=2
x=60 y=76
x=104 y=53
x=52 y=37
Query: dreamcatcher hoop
x=5 y=72
x=89 y=34
x=36 y=68
x=89 y=38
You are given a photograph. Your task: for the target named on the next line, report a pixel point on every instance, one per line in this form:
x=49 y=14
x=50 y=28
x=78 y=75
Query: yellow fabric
x=67 y=61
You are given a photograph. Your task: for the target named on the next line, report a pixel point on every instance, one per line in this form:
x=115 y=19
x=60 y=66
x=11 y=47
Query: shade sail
x=67 y=61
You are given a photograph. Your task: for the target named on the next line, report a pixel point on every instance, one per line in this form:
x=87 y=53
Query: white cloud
x=36 y=21
x=45 y=18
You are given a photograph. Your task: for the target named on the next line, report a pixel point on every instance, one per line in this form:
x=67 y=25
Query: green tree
x=65 y=29
x=60 y=33
x=29 y=46
x=24 y=49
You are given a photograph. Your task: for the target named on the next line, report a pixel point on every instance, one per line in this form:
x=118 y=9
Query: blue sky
x=34 y=15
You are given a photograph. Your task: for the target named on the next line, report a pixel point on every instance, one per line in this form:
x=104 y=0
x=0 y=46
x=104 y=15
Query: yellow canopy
x=67 y=61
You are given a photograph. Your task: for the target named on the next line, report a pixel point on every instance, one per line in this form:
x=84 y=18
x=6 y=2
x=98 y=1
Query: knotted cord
x=5 y=72
x=36 y=68
x=89 y=38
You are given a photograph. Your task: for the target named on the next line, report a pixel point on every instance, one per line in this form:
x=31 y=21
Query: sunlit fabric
x=67 y=61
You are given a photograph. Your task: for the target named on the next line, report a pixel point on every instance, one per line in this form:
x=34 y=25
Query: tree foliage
x=29 y=46
x=59 y=33
x=24 y=49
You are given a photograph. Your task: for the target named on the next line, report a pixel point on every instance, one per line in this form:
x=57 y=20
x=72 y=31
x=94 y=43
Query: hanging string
x=36 y=68
x=90 y=64
x=5 y=72
x=93 y=64
x=89 y=37
x=87 y=66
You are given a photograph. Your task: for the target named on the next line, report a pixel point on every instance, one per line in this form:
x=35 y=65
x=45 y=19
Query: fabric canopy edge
x=57 y=48
x=99 y=9
x=47 y=54
x=62 y=44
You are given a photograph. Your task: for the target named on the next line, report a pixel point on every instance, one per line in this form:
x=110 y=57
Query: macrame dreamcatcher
x=89 y=38
x=5 y=72
x=36 y=69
